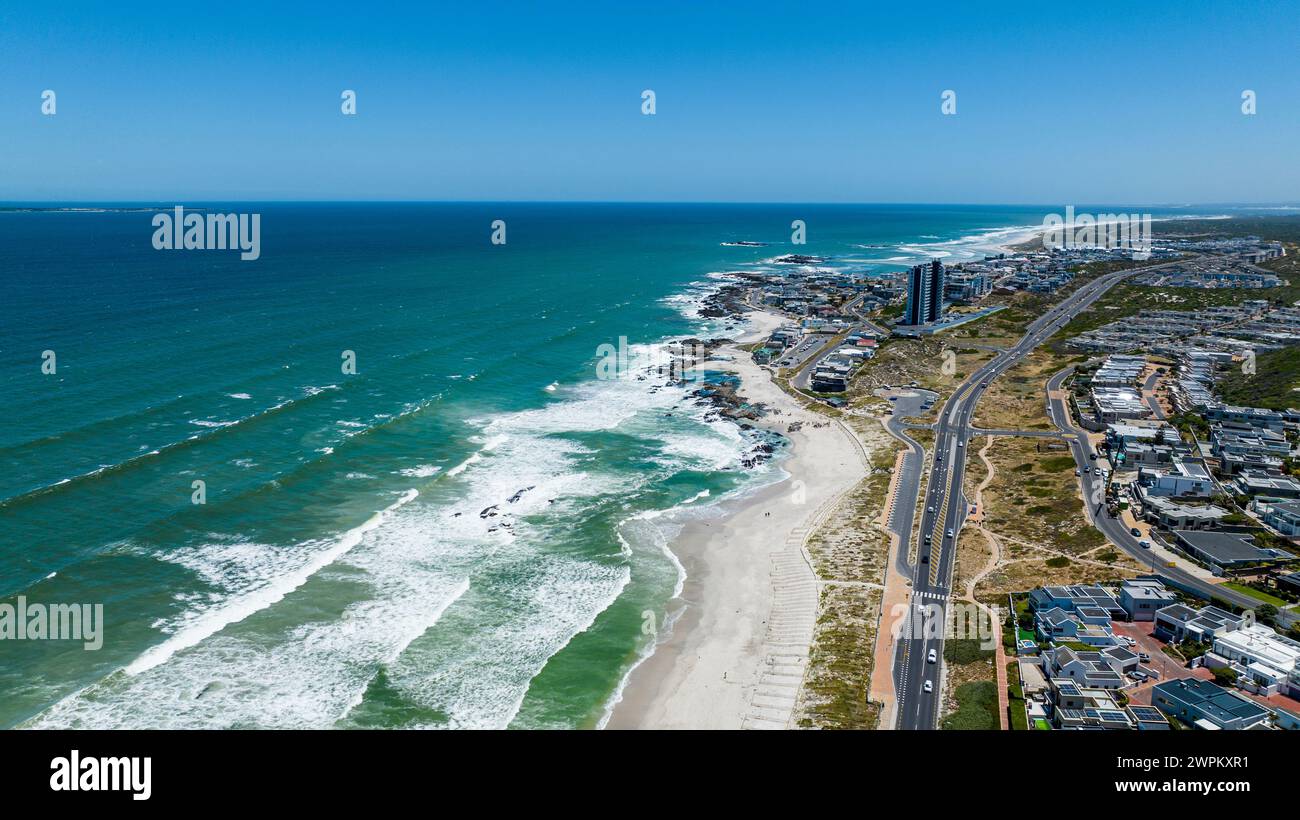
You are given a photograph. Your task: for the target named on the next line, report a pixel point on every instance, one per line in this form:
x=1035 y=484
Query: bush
x=1225 y=676
x=977 y=707
x=965 y=650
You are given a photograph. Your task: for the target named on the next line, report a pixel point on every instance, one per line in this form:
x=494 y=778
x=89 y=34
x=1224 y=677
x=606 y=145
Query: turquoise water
x=462 y=533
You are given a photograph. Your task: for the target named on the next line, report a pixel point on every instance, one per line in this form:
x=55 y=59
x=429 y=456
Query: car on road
x=925 y=559
x=931 y=509
x=1076 y=472
x=984 y=384
x=1144 y=657
x=1135 y=531
x=1087 y=470
x=927 y=687
x=1146 y=545
x=932 y=657
x=950 y=533
x=1092 y=456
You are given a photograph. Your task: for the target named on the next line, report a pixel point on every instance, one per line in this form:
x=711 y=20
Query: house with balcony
x=1283 y=517
x=1179 y=622
x=1266 y=663
x=1143 y=597
x=1096 y=670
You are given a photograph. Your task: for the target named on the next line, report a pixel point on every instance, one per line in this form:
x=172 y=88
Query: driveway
x=1167 y=667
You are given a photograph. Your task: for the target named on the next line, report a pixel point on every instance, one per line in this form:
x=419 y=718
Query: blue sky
x=1105 y=103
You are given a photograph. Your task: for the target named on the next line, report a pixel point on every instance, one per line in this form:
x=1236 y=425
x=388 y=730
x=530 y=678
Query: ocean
x=469 y=531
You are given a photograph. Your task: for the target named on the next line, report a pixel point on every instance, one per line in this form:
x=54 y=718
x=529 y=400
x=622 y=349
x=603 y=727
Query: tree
x=1266 y=614
x=1225 y=676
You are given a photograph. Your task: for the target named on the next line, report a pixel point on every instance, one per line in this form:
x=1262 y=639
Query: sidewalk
x=895 y=599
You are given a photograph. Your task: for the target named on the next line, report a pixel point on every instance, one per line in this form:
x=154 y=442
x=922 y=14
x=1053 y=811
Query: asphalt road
x=1148 y=390
x=1114 y=529
x=901 y=517
x=945 y=511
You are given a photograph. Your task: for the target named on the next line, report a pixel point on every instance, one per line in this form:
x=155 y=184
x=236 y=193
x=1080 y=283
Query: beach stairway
x=788 y=637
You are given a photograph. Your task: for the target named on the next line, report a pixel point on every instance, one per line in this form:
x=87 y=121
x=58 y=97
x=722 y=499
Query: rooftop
x=1218 y=703
x=1223 y=547
x=1261 y=644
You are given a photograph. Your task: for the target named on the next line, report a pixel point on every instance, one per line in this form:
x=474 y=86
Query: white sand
x=735 y=656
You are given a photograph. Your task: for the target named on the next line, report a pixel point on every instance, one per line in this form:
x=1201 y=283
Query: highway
x=945 y=511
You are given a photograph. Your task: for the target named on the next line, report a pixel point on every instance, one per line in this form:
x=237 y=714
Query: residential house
x=1097 y=670
x=1284 y=517
x=1185 y=477
x=1224 y=551
x=1165 y=512
x=1266 y=662
x=1070 y=598
x=1255 y=482
x=1208 y=706
x=1179 y=622
x=1141 y=598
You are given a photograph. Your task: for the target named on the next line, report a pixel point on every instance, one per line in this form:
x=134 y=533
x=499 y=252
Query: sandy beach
x=735 y=655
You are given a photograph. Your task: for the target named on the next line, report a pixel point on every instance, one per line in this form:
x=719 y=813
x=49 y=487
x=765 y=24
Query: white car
x=928 y=687
x=932 y=657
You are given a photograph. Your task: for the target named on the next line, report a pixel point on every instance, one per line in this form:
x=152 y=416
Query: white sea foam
x=208 y=423
x=461 y=598
x=260 y=596
x=423 y=471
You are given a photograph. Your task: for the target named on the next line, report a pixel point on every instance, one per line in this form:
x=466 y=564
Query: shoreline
x=747 y=583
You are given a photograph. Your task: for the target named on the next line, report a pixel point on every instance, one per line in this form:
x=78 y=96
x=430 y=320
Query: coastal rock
x=512 y=499
x=799 y=259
